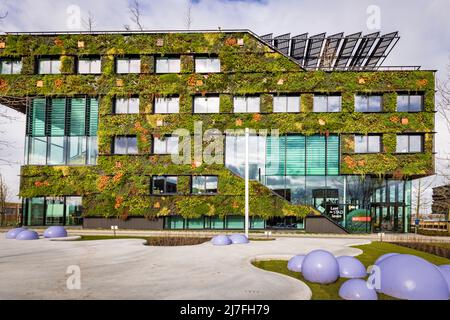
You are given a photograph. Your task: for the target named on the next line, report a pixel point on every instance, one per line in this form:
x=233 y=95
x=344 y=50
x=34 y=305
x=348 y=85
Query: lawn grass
x=370 y=253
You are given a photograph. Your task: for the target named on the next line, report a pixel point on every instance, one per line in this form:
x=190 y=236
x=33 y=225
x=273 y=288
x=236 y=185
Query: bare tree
x=422 y=199
x=135 y=15
x=189 y=15
x=89 y=22
x=4 y=195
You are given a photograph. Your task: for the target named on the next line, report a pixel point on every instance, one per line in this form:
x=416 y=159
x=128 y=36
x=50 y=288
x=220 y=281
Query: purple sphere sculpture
x=445 y=271
x=221 y=240
x=350 y=267
x=13 y=233
x=55 y=232
x=320 y=266
x=384 y=256
x=238 y=238
x=295 y=263
x=406 y=276
x=357 y=289
x=27 y=235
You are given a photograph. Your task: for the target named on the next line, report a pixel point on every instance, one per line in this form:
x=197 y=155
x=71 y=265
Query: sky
x=423 y=26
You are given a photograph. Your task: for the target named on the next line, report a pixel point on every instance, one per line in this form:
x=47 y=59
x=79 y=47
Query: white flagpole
x=246 y=222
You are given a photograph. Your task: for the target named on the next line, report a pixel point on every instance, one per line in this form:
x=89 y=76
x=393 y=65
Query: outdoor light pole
x=246 y=221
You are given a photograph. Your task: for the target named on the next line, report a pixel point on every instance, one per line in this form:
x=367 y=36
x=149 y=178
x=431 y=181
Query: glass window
x=35 y=211
x=204 y=184
x=327 y=103
x=167 y=145
x=49 y=66
x=125 y=145
x=368 y=103
x=126 y=105
x=77 y=150
x=54 y=214
x=409 y=143
x=167 y=105
x=246 y=104
x=168 y=65
x=56 y=150
x=409 y=103
x=10 y=66
x=367 y=144
x=92 y=150
x=208 y=104
x=89 y=66
x=74 y=211
x=164 y=184
x=286 y=104
x=207 y=65
x=235 y=222
x=128 y=65
x=38 y=150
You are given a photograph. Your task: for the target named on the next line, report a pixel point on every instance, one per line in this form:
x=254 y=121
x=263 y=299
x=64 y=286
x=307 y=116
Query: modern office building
x=336 y=136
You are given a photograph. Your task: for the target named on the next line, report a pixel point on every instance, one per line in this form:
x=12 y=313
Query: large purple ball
x=357 y=289
x=221 y=240
x=13 y=233
x=55 y=232
x=295 y=263
x=405 y=276
x=320 y=266
x=445 y=271
x=238 y=238
x=384 y=256
x=28 y=235
x=350 y=267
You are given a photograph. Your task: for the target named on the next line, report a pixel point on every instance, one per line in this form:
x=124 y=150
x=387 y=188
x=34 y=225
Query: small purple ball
x=221 y=240
x=28 y=235
x=445 y=271
x=13 y=233
x=384 y=256
x=406 y=276
x=350 y=267
x=320 y=266
x=238 y=238
x=357 y=289
x=295 y=263
x=55 y=232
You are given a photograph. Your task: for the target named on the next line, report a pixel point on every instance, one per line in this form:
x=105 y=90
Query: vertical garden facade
x=104 y=113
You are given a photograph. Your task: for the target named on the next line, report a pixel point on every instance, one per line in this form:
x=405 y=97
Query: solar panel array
x=335 y=52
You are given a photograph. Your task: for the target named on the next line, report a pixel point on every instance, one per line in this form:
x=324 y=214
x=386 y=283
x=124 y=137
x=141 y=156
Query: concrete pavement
x=126 y=269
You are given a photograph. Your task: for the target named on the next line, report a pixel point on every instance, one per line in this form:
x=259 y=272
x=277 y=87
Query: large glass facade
x=62 y=131
x=227 y=222
x=51 y=211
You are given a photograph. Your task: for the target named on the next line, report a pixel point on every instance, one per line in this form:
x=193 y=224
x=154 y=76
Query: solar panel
x=380 y=49
x=298 y=45
x=313 y=50
x=330 y=50
x=282 y=43
x=348 y=46
x=367 y=43
x=267 y=38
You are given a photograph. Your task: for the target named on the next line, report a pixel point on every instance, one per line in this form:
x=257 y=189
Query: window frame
x=286 y=106
x=168 y=58
x=367 y=144
x=247 y=104
x=166 y=104
x=128 y=59
x=165 y=139
x=127 y=99
x=204 y=185
x=209 y=59
x=409 y=95
x=216 y=96
x=127 y=137
x=51 y=60
x=367 y=107
x=317 y=95
x=90 y=59
x=154 y=177
x=409 y=135
x=11 y=60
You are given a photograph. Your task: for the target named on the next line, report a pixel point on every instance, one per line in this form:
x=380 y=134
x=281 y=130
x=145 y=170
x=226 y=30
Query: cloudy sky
x=423 y=25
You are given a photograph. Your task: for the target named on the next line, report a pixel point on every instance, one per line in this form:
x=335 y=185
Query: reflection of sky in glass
x=235 y=155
